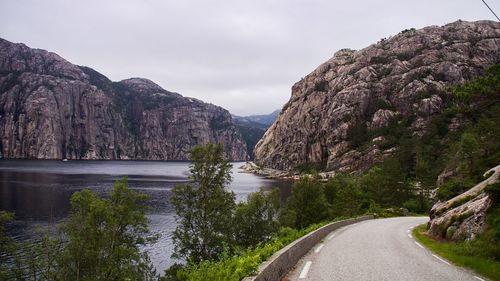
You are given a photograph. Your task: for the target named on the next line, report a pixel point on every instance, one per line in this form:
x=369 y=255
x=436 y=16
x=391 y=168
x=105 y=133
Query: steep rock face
x=464 y=216
x=52 y=109
x=405 y=76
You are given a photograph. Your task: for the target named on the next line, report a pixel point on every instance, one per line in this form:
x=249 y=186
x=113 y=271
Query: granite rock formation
x=464 y=216
x=403 y=77
x=52 y=109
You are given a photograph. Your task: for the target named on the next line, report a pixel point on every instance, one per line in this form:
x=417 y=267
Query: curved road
x=377 y=250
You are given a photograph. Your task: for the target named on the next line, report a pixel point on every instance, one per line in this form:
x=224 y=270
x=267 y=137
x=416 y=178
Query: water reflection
x=38 y=191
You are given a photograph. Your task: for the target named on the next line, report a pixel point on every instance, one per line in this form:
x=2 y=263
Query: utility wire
x=491 y=10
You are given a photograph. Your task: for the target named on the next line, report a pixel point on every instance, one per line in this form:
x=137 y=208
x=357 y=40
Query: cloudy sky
x=242 y=55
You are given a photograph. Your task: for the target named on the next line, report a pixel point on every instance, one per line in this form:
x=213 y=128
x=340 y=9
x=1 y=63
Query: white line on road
x=305 y=270
x=409 y=236
x=479 y=278
x=441 y=259
x=331 y=236
x=319 y=248
x=418 y=244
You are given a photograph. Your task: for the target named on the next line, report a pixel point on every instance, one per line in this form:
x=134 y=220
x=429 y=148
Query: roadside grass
x=245 y=263
x=464 y=254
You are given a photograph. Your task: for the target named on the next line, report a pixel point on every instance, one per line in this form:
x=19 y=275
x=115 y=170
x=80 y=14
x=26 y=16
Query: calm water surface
x=38 y=191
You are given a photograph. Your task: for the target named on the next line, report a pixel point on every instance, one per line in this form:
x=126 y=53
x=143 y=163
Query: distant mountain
x=265 y=119
x=253 y=127
x=52 y=109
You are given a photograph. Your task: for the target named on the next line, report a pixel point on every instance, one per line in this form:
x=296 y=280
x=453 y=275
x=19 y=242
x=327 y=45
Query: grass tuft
x=464 y=254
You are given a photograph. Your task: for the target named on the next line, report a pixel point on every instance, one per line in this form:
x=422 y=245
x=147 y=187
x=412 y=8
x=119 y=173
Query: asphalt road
x=377 y=250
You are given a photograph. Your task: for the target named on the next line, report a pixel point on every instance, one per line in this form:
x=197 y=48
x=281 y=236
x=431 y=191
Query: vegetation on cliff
x=473 y=227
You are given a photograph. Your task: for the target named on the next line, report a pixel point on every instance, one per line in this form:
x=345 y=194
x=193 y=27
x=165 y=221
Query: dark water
x=38 y=191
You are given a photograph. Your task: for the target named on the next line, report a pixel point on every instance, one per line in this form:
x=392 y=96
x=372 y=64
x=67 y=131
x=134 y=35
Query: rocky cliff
x=463 y=217
x=338 y=116
x=52 y=109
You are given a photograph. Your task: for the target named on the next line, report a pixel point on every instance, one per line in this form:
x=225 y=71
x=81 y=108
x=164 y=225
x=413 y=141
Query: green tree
x=307 y=204
x=256 y=219
x=344 y=195
x=204 y=210
x=100 y=240
x=386 y=184
x=103 y=237
x=424 y=184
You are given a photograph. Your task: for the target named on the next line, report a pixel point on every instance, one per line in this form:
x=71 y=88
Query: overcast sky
x=241 y=55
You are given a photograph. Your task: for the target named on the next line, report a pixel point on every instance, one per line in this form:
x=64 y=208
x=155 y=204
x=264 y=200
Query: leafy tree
x=103 y=237
x=344 y=195
x=307 y=203
x=100 y=240
x=386 y=184
x=204 y=211
x=255 y=220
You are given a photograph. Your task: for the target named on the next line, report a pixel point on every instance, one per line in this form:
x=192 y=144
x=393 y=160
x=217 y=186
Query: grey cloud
x=242 y=55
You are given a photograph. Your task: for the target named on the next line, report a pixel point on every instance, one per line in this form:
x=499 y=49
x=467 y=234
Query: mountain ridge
x=52 y=109
x=253 y=127
x=340 y=116
x=265 y=119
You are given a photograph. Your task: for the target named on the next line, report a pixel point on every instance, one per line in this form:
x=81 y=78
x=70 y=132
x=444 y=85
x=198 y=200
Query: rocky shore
x=251 y=167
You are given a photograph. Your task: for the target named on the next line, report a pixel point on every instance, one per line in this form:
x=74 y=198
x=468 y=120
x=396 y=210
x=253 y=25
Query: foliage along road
x=381 y=249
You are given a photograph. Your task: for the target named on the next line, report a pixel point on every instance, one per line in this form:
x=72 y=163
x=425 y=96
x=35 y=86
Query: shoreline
x=251 y=168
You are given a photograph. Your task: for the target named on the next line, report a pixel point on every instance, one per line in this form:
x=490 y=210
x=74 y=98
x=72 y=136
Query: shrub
x=244 y=263
x=357 y=134
x=451 y=189
x=321 y=86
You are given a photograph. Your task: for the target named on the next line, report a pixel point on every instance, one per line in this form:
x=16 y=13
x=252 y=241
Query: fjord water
x=38 y=191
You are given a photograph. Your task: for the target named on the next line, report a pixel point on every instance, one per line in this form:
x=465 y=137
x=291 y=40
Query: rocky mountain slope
x=52 y=109
x=339 y=116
